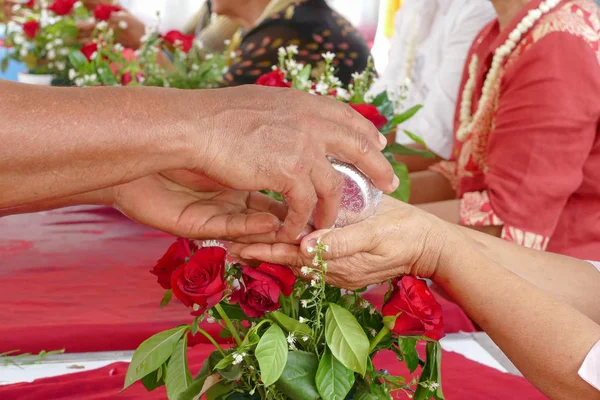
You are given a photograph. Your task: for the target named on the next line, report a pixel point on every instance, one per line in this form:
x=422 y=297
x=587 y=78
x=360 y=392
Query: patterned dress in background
x=312 y=26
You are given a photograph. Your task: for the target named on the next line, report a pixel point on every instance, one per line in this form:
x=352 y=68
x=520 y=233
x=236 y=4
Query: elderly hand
x=128 y=29
x=279 y=139
x=398 y=240
x=214 y=213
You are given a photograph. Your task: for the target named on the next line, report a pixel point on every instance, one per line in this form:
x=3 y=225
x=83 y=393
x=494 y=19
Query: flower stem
x=229 y=325
x=213 y=341
x=382 y=333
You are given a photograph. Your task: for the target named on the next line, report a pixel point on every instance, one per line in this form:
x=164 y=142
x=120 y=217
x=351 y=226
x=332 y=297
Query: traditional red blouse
x=532 y=161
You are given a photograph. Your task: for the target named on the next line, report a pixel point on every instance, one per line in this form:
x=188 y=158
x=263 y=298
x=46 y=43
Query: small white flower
x=93 y=56
x=209 y=56
x=23 y=52
x=281 y=52
x=329 y=56
x=310 y=249
x=291 y=339
x=16 y=8
x=61 y=66
x=305 y=271
x=326 y=248
x=211 y=320
x=227 y=42
x=93 y=77
x=372 y=310
x=64 y=51
x=123 y=25
x=313 y=283
x=51 y=55
x=238 y=358
x=274 y=67
x=102 y=25
x=292 y=49
x=50 y=65
x=233 y=54
x=305 y=338
x=78 y=4
x=72 y=74
x=79 y=82
x=302 y=320
x=58 y=42
x=365 y=304
x=119 y=47
x=312 y=91
x=18 y=39
x=49 y=46
x=373 y=332
x=322 y=88
x=315 y=261
x=195 y=67
x=356 y=75
x=304 y=303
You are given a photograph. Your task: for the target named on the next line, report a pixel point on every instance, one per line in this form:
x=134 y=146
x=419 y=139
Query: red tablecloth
x=461 y=379
x=78 y=279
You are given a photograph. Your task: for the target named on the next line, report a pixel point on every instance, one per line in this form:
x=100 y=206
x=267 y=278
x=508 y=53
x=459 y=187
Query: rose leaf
x=271 y=354
x=334 y=381
x=179 y=378
x=346 y=339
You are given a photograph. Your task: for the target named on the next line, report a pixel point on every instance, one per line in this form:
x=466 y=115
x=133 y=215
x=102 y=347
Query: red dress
x=532 y=160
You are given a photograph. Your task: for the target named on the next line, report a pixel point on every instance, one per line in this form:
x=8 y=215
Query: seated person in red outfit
x=309 y=24
x=526 y=158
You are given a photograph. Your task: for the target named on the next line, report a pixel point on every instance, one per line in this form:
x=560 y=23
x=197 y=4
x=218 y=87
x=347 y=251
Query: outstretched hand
x=198 y=208
x=398 y=240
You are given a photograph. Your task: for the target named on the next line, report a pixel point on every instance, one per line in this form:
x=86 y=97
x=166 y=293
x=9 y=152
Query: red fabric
x=537 y=149
x=461 y=379
x=79 y=279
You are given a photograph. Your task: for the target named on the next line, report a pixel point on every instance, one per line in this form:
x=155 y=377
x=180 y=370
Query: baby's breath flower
x=305 y=271
x=315 y=261
x=305 y=338
x=123 y=25
x=292 y=49
x=302 y=320
x=304 y=303
x=373 y=332
x=281 y=51
x=329 y=56
x=238 y=358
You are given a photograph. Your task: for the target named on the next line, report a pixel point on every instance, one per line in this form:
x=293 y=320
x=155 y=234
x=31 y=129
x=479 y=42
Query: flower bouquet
x=41 y=34
x=378 y=109
x=290 y=338
x=170 y=60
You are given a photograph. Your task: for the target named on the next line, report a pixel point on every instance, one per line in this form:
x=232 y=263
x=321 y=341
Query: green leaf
x=154 y=379
x=403 y=191
x=431 y=373
x=233 y=311
x=415 y=138
x=195 y=325
x=271 y=354
x=232 y=372
x=225 y=362
x=4 y=66
x=334 y=381
x=298 y=378
x=77 y=58
x=107 y=77
x=166 y=298
x=390 y=321
x=179 y=378
x=380 y=99
x=405 y=116
x=399 y=149
x=408 y=348
x=195 y=388
x=304 y=75
x=153 y=353
x=290 y=324
x=219 y=391
x=346 y=339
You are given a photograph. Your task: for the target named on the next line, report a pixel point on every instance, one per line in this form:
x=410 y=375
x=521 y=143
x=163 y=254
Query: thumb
x=339 y=243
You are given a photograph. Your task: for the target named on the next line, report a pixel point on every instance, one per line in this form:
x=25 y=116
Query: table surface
x=474 y=346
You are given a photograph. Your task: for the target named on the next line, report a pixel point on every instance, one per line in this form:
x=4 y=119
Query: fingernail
x=382 y=140
x=396 y=182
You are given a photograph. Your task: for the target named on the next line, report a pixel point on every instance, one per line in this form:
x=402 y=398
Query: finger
x=301 y=199
x=284 y=254
x=328 y=185
x=341 y=242
x=236 y=225
x=261 y=202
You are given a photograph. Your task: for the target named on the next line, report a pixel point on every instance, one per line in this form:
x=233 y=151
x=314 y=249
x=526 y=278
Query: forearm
x=572 y=281
x=430 y=187
x=546 y=339
x=60 y=142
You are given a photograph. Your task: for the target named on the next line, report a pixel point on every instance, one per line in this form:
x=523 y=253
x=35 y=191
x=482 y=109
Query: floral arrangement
x=290 y=338
x=170 y=60
x=41 y=34
x=378 y=109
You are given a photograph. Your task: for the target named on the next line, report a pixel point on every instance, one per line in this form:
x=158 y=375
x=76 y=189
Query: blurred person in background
x=426 y=60
x=311 y=25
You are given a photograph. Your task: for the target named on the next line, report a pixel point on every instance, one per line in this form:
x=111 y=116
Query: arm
x=546 y=339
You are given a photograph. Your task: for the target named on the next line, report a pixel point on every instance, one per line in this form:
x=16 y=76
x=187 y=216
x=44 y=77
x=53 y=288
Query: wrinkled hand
x=91 y=4
x=279 y=139
x=130 y=37
x=398 y=240
x=216 y=213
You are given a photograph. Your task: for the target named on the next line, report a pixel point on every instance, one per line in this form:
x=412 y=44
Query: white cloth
x=595 y=264
x=590 y=369
x=443 y=31
x=173 y=13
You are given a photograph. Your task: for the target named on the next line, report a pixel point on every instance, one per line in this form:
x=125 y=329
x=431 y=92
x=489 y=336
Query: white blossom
x=305 y=271
x=58 y=42
x=123 y=25
x=18 y=39
x=61 y=66
x=79 y=82
x=329 y=56
x=211 y=320
x=373 y=332
x=292 y=49
x=78 y=4
x=238 y=358
x=16 y=8
x=227 y=42
x=233 y=54
x=310 y=249
x=302 y=320
x=93 y=56
x=313 y=283
x=23 y=52
x=119 y=47
x=315 y=261
x=372 y=310
x=102 y=25
x=322 y=88
x=72 y=74
x=51 y=55
x=305 y=338
x=291 y=339
x=281 y=52
x=64 y=51
x=304 y=303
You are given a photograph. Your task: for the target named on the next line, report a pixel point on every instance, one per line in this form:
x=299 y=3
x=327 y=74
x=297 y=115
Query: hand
x=279 y=139
x=221 y=213
x=130 y=37
x=91 y=4
x=398 y=240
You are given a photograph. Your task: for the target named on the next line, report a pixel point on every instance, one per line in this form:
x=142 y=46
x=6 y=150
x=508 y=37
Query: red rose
x=177 y=38
x=262 y=286
x=127 y=78
x=88 y=50
x=62 y=7
x=371 y=113
x=31 y=29
x=202 y=280
x=102 y=12
x=420 y=313
x=30 y=4
x=275 y=79
x=173 y=258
